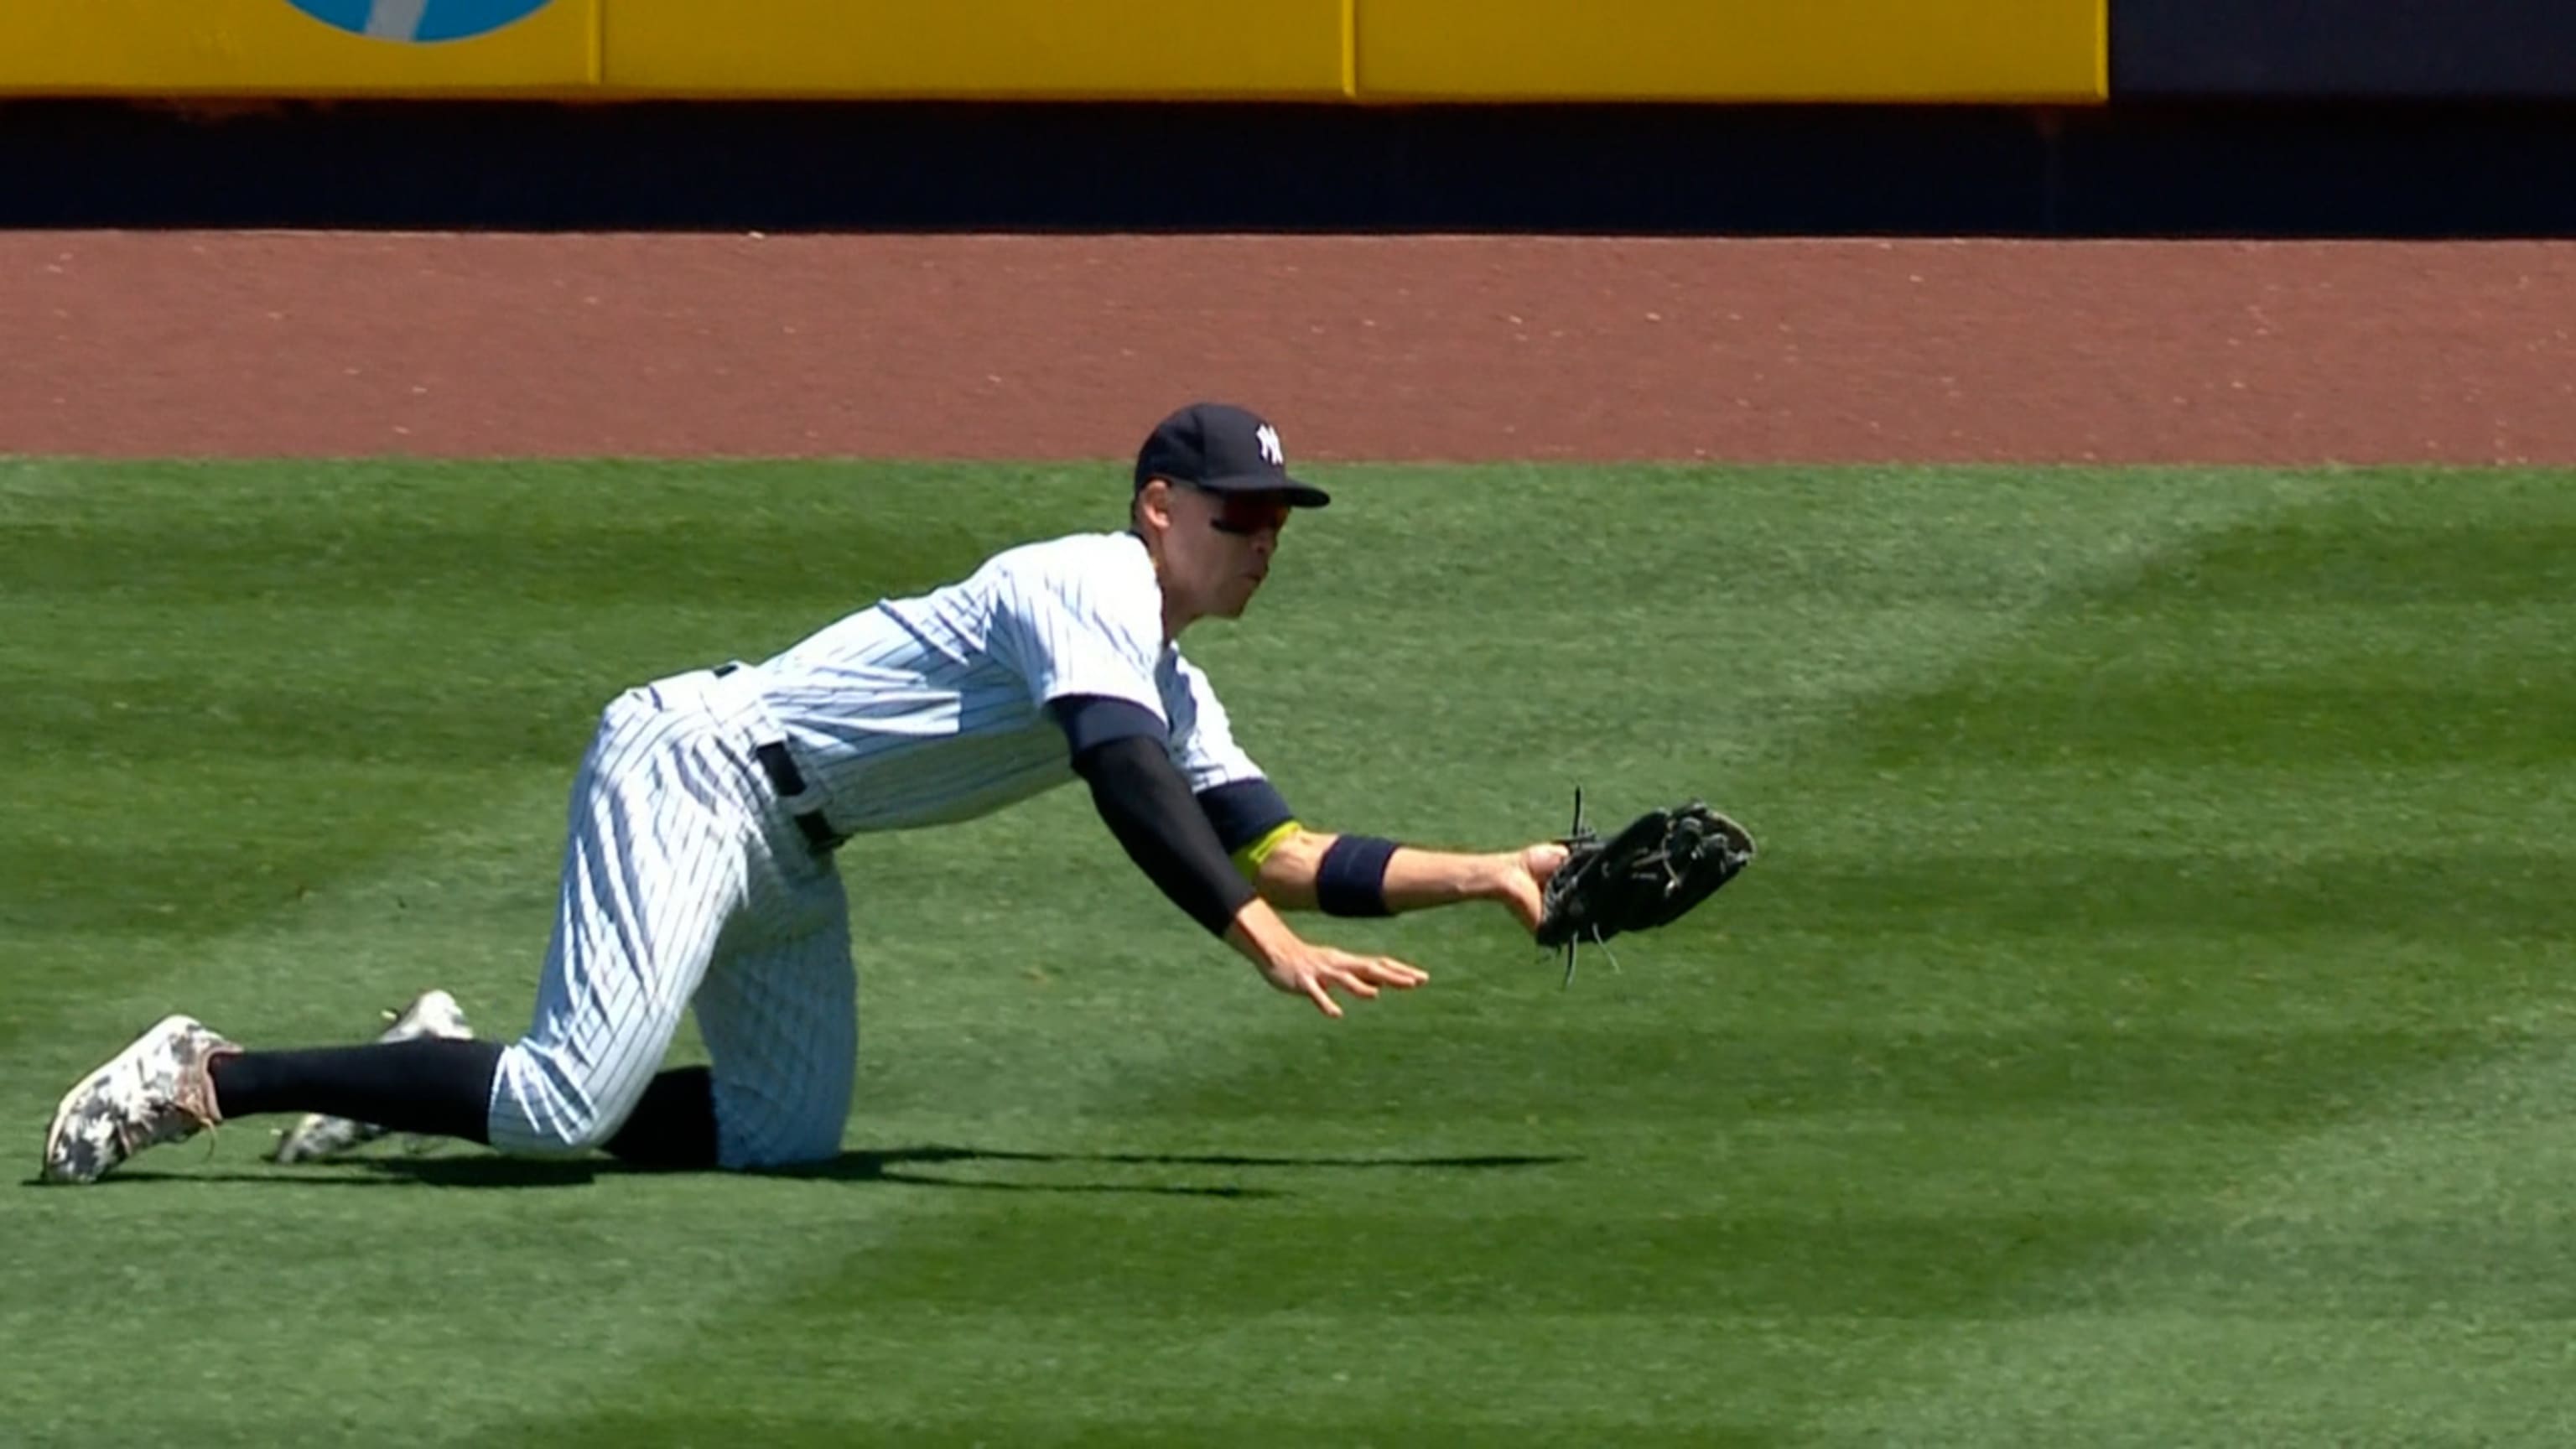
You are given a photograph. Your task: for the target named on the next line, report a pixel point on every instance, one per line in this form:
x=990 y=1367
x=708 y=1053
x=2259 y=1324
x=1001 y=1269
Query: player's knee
x=561 y=1132
x=589 y=1132
x=542 y=1108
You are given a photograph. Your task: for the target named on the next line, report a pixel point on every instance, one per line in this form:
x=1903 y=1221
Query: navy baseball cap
x=1222 y=449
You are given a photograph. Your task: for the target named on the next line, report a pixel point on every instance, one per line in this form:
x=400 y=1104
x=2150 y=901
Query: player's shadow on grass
x=890 y=1165
x=902 y=1164
x=899 y=1165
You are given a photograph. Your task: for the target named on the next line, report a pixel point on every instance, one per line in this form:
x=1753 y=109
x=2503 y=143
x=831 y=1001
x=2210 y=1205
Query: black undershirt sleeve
x=1244 y=811
x=1146 y=803
x=1241 y=811
x=1090 y=720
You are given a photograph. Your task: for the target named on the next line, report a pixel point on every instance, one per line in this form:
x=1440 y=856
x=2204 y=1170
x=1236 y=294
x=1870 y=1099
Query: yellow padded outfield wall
x=984 y=49
x=1368 y=50
x=299 y=47
x=1734 y=50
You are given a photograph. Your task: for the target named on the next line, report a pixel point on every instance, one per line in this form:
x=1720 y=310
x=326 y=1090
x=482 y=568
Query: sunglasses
x=1246 y=514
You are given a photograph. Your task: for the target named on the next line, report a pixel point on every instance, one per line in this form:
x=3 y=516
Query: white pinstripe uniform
x=686 y=879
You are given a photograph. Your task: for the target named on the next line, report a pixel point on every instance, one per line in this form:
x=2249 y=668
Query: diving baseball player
x=698 y=871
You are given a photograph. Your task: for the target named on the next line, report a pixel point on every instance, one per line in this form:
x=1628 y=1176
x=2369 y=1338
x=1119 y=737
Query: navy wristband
x=1351 y=879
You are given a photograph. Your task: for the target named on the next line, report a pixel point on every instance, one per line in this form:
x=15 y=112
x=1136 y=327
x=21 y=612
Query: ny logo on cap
x=1268 y=437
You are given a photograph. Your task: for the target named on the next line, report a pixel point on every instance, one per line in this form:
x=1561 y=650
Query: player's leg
x=779 y=1013
x=422 y=1073
x=164 y=1087
x=316 y=1137
x=781 y=1024
x=648 y=891
x=654 y=864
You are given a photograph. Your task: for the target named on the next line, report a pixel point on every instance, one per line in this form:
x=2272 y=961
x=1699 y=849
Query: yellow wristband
x=1248 y=860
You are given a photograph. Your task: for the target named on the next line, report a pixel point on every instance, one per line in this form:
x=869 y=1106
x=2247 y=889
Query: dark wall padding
x=2415 y=169
x=2316 y=49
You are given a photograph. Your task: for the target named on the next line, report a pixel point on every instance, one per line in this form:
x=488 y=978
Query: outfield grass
x=2148 y=1022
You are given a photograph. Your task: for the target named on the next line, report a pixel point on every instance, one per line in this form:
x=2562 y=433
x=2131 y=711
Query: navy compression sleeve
x=1146 y=802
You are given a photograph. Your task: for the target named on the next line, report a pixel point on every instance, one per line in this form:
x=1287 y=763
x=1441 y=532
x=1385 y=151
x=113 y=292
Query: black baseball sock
x=444 y=1087
x=675 y=1123
x=435 y=1085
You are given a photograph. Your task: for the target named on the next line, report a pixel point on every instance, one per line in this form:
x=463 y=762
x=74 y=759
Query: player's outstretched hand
x=1520 y=880
x=1316 y=972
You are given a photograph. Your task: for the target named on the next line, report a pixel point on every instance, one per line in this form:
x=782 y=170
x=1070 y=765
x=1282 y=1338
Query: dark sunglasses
x=1246 y=514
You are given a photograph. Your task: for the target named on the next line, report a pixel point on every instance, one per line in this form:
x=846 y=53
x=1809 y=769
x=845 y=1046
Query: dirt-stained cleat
x=156 y=1090
x=317 y=1138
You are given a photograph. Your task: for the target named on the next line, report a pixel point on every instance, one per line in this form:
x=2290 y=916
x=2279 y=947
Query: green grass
x=2150 y=1021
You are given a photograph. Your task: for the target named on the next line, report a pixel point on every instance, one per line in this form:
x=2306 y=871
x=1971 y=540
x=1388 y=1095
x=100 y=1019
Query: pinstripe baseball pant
x=686 y=884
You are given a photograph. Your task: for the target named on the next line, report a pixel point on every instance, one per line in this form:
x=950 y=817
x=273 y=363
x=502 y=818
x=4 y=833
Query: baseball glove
x=1649 y=874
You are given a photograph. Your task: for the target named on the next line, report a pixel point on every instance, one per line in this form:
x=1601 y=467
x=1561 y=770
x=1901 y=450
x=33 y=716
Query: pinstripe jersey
x=930 y=709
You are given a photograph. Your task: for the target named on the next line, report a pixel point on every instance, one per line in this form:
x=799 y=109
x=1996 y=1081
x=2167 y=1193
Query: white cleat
x=156 y=1090
x=316 y=1138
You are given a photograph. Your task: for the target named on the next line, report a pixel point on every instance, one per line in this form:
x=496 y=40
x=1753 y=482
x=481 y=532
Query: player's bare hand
x=1520 y=880
x=1316 y=972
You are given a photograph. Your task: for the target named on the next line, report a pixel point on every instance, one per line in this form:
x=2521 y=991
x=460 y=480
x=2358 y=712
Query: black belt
x=789 y=782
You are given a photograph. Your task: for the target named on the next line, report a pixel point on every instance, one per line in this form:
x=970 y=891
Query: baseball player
x=698 y=871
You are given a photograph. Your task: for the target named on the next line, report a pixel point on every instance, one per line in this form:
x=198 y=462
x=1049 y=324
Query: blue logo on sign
x=419 y=21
